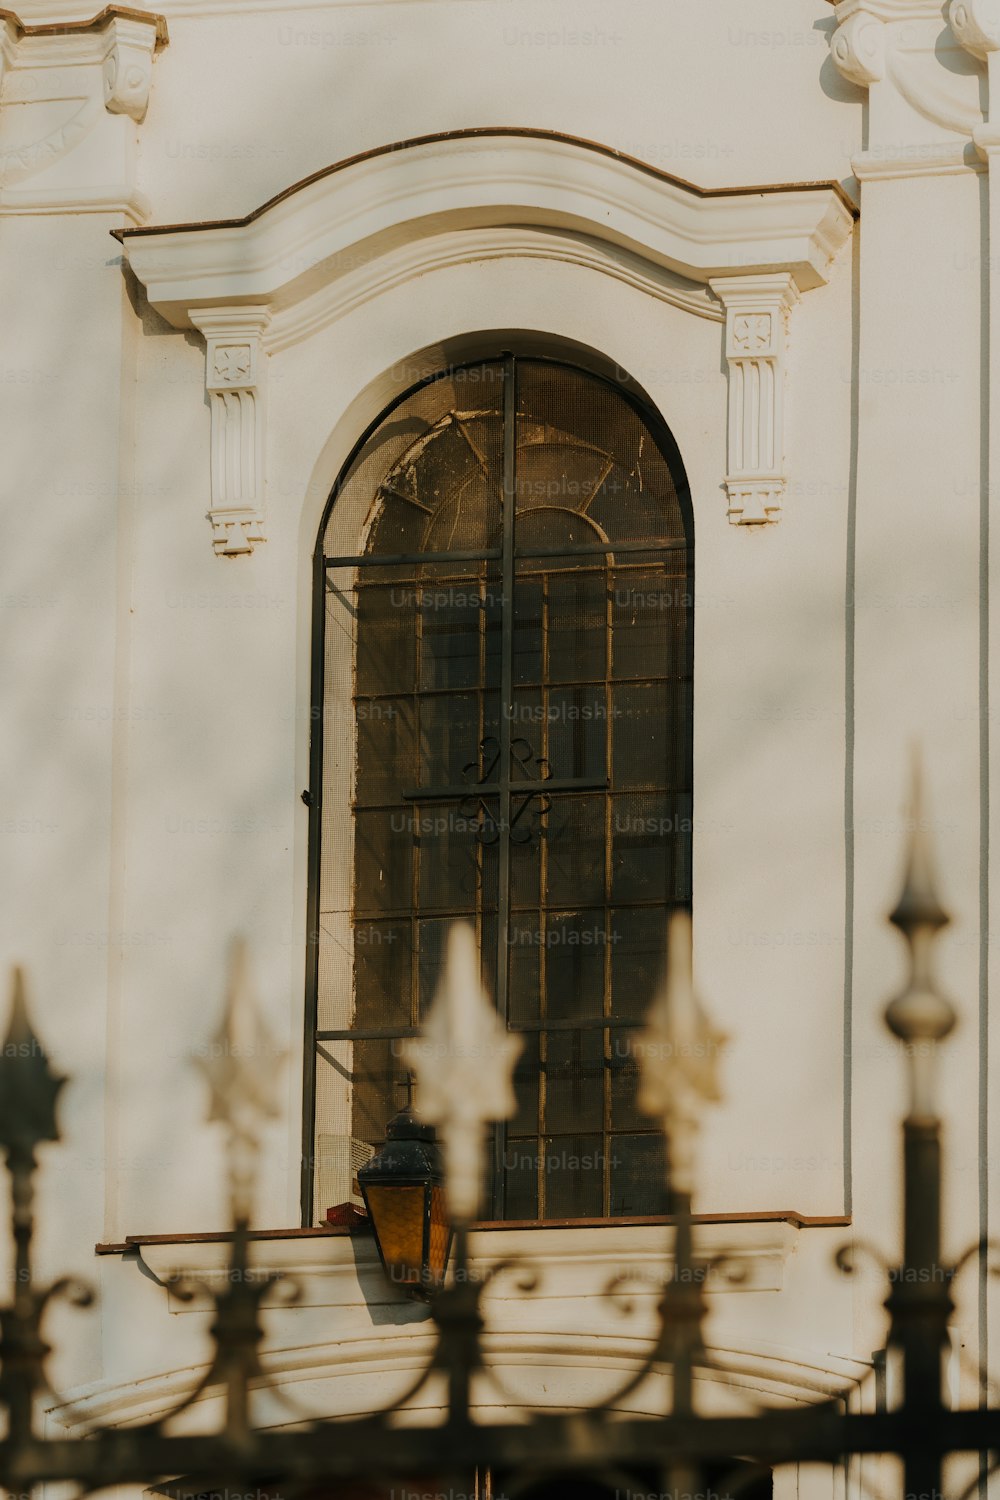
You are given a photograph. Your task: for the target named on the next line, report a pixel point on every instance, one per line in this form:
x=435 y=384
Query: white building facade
x=233 y=236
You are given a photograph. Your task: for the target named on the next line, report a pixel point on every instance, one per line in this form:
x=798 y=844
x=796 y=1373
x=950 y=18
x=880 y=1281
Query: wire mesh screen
x=507 y=740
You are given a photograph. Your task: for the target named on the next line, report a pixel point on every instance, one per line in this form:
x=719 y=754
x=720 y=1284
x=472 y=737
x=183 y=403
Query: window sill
x=335 y=1268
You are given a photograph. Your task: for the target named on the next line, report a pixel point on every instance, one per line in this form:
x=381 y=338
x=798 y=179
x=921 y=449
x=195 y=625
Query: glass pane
x=525 y=960
x=386 y=750
x=577 y=719
x=556 y=471
x=578 y=627
x=575 y=844
x=383 y=862
x=521 y=1179
x=638 y=947
x=638 y=1176
x=574 y=1177
x=448 y=862
x=574 y=1081
x=459 y=480
x=450 y=624
x=386 y=653
x=576 y=947
x=646 y=830
x=649 y=614
x=450 y=754
x=400 y=522
x=382 y=956
x=527 y=626
x=641 y=732
x=527 y=835
x=432 y=936
x=625 y=1083
x=526 y=1086
x=379 y=1089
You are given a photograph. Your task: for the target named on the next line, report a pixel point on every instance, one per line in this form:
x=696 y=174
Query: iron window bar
x=496 y=569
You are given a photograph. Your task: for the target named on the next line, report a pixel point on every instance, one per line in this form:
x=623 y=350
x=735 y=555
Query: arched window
x=505 y=674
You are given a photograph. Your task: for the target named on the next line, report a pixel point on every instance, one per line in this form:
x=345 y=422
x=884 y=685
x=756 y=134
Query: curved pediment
x=342 y=222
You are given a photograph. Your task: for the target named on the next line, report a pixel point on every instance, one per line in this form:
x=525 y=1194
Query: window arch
x=503 y=735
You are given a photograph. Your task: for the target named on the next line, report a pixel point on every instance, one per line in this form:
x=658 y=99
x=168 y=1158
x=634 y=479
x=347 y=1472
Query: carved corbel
x=128 y=65
x=858 y=48
x=976 y=24
x=236 y=364
x=756 y=333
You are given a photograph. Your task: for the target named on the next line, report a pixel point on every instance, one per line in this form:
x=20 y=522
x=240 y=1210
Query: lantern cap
x=406 y=1126
x=410 y=1154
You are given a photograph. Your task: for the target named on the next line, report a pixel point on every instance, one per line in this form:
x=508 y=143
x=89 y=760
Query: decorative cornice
x=95 y=23
x=375 y=221
x=486 y=179
x=943 y=159
x=67 y=78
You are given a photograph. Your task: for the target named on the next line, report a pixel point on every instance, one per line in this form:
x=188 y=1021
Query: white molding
x=127 y=66
x=976 y=24
x=858 y=48
x=352 y=233
x=314 y=234
x=408 y=262
x=87 y=200
x=757 y=308
x=364 y=1369
x=235 y=369
x=364 y=1338
x=338 y=1271
x=944 y=159
x=65 y=86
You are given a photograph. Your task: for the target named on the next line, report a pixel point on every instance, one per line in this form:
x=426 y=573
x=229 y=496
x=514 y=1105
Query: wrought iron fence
x=463 y=1064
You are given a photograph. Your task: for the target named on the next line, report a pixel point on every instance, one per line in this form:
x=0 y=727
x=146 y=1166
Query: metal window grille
x=504 y=736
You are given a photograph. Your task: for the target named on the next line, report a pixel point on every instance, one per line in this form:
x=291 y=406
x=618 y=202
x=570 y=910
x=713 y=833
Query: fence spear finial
x=920 y=1015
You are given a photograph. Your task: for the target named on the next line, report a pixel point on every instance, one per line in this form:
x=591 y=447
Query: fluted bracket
x=756 y=335
x=236 y=366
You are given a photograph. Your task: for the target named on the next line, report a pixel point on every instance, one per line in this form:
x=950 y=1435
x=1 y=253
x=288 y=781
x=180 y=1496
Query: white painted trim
x=407 y=262
x=311 y=237
x=931 y=160
x=354 y=1376
x=132 y=205
x=339 y=1271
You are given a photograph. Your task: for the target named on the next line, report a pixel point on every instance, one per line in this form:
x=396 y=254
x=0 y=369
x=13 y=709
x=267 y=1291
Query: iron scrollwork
x=680 y=1445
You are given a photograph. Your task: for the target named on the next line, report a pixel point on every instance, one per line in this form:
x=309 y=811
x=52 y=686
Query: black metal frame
x=506 y=556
